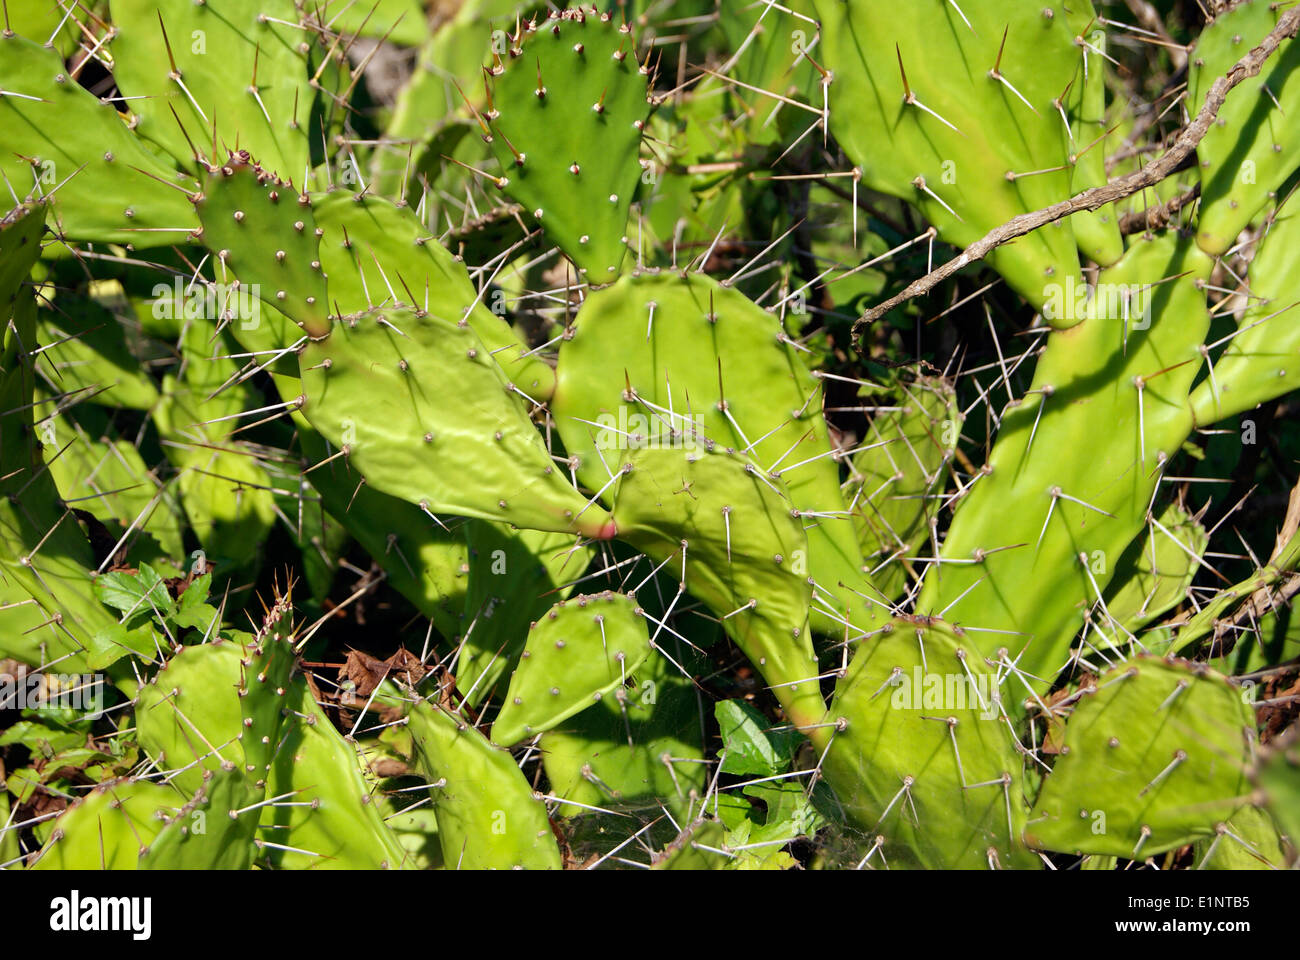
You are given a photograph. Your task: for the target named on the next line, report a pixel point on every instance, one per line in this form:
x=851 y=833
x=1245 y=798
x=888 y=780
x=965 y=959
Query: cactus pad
x=234 y=76
x=118 y=191
x=1156 y=570
x=213 y=831
x=741 y=385
x=425 y=562
x=729 y=536
x=259 y=227
x=487 y=815
x=924 y=764
x=513 y=577
x=1154 y=755
x=1125 y=390
x=410 y=395
x=955 y=113
x=1249 y=151
x=566 y=111
x=641 y=748
x=374 y=251
x=897 y=478
x=582 y=650
x=1260 y=361
x=110 y=827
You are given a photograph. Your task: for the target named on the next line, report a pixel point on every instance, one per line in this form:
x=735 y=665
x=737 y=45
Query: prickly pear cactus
x=821 y=435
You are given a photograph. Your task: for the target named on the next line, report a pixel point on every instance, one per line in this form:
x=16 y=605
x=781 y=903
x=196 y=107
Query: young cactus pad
x=260 y=228
x=582 y=650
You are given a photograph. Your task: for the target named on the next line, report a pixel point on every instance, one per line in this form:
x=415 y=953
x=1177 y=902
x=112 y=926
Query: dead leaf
x=367 y=672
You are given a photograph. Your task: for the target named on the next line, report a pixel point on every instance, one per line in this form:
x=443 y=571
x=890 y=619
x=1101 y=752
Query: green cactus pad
x=426 y=106
x=428 y=416
x=488 y=817
x=87 y=349
x=1154 y=756
x=772 y=59
x=924 y=764
x=893 y=488
x=966 y=149
x=268 y=664
x=21 y=230
x=1156 y=570
x=1261 y=362
x=402 y=22
x=582 y=650
x=567 y=108
x=116 y=190
x=639 y=749
x=191 y=720
x=375 y=253
x=741 y=385
x=1249 y=841
x=189 y=716
x=1085 y=431
x=108 y=478
x=217 y=704
x=43 y=23
x=109 y=827
x=48 y=611
x=228 y=504
x=213 y=831
x=332 y=820
x=1249 y=151
x=1095 y=231
x=234 y=76
x=728 y=535
x=261 y=229
x=225 y=490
